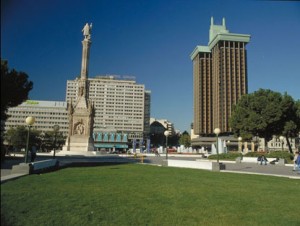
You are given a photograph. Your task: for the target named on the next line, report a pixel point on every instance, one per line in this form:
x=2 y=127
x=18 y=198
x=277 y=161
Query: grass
x=148 y=195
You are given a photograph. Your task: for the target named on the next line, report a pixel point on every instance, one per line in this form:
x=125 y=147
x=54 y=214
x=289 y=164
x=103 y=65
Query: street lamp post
x=240 y=145
x=217 y=132
x=55 y=128
x=29 y=121
x=166 y=133
x=281 y=138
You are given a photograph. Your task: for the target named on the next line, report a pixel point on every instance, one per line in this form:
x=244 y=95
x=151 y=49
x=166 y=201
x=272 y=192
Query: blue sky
x=151 y=40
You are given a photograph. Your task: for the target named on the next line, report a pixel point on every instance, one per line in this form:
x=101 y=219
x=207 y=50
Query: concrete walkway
x=231 y=167
x=269 y=170
x=245 y=168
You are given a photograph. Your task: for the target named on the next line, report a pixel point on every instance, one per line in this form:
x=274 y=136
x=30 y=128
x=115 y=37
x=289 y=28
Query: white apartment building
x=46 y=113
x=121 y=105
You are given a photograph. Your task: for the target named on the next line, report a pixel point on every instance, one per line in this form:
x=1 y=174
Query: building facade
x=157 y=129
x=121 y=105
x=220 y=78
x=122 y=111
x=46 y=113
x=159 y=126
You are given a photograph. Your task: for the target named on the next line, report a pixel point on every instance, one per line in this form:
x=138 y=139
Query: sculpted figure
x=80 y=128
x=80 y=91
x=87 y=31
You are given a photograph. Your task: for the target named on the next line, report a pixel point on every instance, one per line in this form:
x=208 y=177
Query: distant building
x=46 y=113
x=159 y=126
x=121 y=105
x=122 y=111
x=220 y=78
x=276 y=144
x=157 y=129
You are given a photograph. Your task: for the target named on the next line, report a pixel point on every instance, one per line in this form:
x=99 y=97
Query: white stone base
x=207 y=165
x=79 y=143
x=198 y=164
x=79 y=147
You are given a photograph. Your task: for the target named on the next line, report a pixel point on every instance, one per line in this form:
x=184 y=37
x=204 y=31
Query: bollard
x=142 y=159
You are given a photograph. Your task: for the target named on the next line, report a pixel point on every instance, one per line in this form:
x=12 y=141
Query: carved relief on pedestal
x=79 y=128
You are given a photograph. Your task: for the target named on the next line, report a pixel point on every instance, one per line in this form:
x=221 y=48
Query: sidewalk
x=269 y=170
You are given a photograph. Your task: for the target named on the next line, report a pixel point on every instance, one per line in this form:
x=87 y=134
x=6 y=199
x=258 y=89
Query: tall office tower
x=220 y=78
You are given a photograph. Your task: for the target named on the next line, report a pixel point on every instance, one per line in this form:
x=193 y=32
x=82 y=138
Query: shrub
x=281 y=155
x=227 y=156
x=255 y=154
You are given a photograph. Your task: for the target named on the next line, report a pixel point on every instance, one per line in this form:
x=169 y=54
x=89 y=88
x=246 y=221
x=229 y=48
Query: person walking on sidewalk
x=297 y=161
x=33 y=153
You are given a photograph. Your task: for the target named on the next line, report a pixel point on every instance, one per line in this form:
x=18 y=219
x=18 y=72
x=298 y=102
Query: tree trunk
x=289 y=144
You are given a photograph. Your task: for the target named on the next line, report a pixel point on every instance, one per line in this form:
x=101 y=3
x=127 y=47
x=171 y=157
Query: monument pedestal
x=79 y=143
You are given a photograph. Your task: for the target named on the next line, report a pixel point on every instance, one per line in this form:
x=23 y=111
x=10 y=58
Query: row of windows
x=99 y=97
x=122 y=116
x=114 y=86
x=116 y=101
x=119 y=113
x=22 y=112
x=138 y=89
x=9 y=122
x=117 y=104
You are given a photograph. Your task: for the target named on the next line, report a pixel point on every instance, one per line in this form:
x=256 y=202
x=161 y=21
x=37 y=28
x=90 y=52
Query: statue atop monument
x=87 y=31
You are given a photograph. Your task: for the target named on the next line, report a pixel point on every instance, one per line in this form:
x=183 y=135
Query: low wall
x=198 y=164
x=35 y=167
x=254 y=160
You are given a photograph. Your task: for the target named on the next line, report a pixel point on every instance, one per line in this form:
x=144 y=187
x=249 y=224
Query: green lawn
x=149 y=195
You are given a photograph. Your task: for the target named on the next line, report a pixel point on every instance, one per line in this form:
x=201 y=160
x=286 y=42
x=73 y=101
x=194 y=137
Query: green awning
x=110 y=145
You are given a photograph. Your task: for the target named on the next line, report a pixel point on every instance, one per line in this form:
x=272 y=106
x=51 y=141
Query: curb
x=263 y=174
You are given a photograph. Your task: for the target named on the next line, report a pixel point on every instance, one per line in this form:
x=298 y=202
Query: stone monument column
x=86 y=44
x=81 y=114
x=85 y=58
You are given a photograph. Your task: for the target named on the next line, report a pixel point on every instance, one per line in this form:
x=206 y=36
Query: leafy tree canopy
x=265 y=113
x=15 y=88
x=185 y=139
x=17 y=137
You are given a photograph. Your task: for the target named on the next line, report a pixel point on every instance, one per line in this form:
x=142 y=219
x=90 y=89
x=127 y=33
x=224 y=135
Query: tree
x=51 y=139
x=173 y=140
x=185 y=139
x=291 y=120
x=264 y=113
x=15 y=88
x=17 y=137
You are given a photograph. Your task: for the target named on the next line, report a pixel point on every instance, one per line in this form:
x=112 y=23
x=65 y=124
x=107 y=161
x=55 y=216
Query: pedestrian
x=33 y=153
x=262 y=159
x=156 y=153
x=296 y=161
